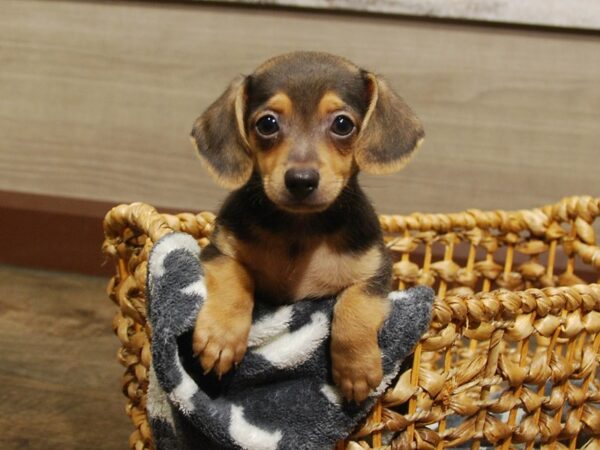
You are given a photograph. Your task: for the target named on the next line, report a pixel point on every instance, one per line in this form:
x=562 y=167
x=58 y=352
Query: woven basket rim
x=535 y=219
x=556 y=316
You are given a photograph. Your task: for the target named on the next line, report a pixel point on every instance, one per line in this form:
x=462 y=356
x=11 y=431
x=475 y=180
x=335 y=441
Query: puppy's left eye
x=267 y=125
x=342 y=125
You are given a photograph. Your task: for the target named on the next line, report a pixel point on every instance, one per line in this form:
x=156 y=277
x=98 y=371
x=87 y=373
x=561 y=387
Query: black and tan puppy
x=291 y=139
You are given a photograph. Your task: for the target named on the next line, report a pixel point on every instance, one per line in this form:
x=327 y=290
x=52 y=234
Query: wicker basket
x=512 y=356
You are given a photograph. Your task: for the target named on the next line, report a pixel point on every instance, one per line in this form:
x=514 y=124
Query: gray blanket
x=281 y=396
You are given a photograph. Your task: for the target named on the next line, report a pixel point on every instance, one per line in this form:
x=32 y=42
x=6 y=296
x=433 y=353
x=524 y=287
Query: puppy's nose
x=301 y=182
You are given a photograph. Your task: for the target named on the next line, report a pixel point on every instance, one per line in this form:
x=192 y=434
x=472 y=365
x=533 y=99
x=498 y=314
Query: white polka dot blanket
x=281 y=396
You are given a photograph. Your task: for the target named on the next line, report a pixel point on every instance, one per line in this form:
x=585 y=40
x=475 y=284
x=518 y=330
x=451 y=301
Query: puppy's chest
x=293 y=269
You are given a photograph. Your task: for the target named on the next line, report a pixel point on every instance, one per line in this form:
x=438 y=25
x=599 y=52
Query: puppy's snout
x=301 y=182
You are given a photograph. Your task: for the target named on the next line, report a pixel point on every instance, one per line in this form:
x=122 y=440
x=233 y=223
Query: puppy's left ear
x=219 y=135
x=390 y=131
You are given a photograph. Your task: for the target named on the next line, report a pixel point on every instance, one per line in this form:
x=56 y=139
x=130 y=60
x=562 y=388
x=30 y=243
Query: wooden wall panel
x=581 y=14
x=97 y=99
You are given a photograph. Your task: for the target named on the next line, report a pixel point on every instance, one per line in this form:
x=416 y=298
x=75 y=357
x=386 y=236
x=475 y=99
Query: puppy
x=290 y=140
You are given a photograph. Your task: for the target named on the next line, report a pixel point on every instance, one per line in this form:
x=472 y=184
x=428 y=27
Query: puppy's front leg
x=355 y=353
x=223 y=324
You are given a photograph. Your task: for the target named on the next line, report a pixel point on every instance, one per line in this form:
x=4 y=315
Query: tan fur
x=335 y=168
x=222 y=327
x=226 y=182
x=355 y=354
x=335 y=157
x=373 y=135
x=385 y=169
x=272 y=165
x=288 y=267
x=280 y=103
x=374 y=91
x=333 y=160
x=236 y=96
x=240 y=110
x=318 y=269
x=329 y=103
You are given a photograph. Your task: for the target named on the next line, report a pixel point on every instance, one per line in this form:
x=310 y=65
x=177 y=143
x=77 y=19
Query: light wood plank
x=97 y=100
x=584 y=14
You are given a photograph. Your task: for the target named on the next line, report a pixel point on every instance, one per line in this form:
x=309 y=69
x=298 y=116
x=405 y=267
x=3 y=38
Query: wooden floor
x=59 y=378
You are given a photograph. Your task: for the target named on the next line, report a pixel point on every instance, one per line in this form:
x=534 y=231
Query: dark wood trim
x=55 y=233
x=65 y=234
x=53 y=204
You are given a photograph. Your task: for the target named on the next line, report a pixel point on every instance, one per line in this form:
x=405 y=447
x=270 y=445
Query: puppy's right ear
x=219 y=135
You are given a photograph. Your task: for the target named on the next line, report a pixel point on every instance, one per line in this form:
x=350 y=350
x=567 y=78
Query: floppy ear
x=390 y=131
x=220 y=137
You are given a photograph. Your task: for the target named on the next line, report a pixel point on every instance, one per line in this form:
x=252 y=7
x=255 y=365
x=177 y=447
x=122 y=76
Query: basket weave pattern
x=512 y=356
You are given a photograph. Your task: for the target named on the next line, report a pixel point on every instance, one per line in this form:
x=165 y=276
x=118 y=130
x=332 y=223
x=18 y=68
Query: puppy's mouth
x=303 y=206
x=313 y=201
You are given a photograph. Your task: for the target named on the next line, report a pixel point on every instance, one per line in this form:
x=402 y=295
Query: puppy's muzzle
x=301 y=182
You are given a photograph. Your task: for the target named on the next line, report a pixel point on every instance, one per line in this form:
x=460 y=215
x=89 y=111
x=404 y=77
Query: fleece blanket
x=281 y=396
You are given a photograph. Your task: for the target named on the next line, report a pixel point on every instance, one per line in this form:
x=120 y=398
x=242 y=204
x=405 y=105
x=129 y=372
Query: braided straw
x=511 y=359
x=130 y=231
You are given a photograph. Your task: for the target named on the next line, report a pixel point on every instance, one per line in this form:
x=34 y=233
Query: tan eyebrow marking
x=329 y=103
x=280 y=103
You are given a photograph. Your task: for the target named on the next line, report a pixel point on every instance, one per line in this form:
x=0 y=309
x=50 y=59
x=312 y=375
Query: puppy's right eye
x=267 y=125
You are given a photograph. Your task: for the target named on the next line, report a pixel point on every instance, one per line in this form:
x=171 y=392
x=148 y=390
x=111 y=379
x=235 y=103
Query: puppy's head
x=305 y=122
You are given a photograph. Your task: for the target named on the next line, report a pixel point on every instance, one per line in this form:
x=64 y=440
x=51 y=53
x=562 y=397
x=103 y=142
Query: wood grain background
x=584 y=14
x=59 y=379
x=97 y=100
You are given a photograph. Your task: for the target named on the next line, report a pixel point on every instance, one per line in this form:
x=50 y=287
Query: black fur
x=218 y=138
x=211 y=251
x=305 y=77
x=381 y=283
x=351 y=216
x=389 y=136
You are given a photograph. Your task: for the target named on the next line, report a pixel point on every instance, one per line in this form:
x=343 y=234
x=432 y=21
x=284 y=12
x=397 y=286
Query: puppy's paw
x=356 y=367
x=220 y=340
